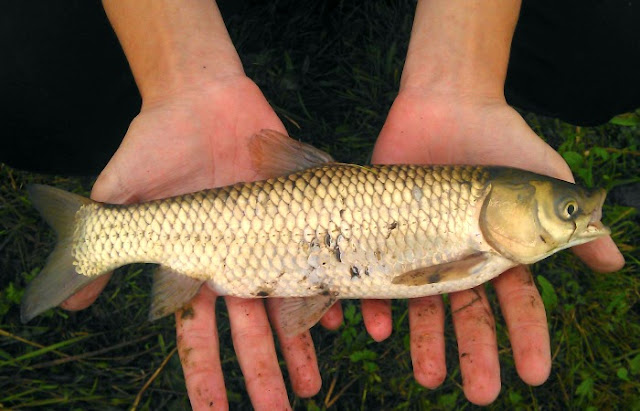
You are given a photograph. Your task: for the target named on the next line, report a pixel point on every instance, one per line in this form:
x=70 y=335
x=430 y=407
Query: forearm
x=461 y=46
x=173 y=44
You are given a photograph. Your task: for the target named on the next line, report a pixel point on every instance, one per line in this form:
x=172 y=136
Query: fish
x=316 y=232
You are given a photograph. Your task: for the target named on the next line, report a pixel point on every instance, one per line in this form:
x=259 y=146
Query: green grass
x=331 y=78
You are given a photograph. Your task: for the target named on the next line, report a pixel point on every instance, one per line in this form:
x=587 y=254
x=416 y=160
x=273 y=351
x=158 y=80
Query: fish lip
x=595 y=228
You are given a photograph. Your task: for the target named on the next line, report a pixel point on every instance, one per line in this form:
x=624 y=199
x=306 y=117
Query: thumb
x=110 y=187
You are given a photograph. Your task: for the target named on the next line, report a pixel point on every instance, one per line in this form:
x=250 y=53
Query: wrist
x=197 y=89
x=179 y=73
x=444 y=81
x=172 y=46
x=460 y=48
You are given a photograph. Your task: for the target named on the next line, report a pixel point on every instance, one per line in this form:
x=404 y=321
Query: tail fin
x=58 y=279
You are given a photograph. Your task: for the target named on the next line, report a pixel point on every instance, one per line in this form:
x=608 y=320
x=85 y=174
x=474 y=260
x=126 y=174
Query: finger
x=426 y=324
x=377 y=318
x=199 y=350
x=601 y=255
x=526 y=320
x=477 y=346
x=332 y=319
x=85 y=297
x=299 y=355
x=253 y=342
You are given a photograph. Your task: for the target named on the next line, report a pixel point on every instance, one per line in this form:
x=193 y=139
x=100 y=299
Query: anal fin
x=298 y=314
x=441 y=273
x=171 y=291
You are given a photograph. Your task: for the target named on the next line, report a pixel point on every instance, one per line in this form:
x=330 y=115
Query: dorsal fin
x=273 y=154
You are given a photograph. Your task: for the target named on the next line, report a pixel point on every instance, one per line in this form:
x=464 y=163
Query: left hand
x=192 y=140
x=430 y=128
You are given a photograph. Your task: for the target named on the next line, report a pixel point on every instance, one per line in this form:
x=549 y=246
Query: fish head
x=527 y=217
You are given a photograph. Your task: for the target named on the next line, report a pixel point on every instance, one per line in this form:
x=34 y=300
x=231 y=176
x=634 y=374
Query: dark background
x=67 y=95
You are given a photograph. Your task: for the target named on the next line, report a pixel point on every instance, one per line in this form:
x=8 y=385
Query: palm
x=464 y=133
x=187 y=144
x=440 y=130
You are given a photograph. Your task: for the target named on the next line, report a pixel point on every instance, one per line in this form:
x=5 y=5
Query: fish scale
x=345 y=228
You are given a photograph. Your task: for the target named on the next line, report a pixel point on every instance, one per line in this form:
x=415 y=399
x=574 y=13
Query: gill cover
x=510 y=223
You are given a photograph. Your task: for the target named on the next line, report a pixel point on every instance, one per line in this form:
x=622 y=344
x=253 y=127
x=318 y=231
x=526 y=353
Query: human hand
x=451 y=110
x=185 y=142
x=426 y=127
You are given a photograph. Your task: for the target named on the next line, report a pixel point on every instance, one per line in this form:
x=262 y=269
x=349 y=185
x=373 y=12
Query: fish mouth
x=594 y=227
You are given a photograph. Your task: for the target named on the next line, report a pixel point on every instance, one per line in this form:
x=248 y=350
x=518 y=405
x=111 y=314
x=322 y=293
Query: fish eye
x=569 y=209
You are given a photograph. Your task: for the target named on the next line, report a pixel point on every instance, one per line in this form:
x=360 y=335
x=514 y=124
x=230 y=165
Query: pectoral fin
x=441 y=273
x=171 y=291
x=298 y=314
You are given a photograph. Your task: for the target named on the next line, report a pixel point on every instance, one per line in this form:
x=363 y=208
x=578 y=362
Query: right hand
x=426 y=127
x=184 y=142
